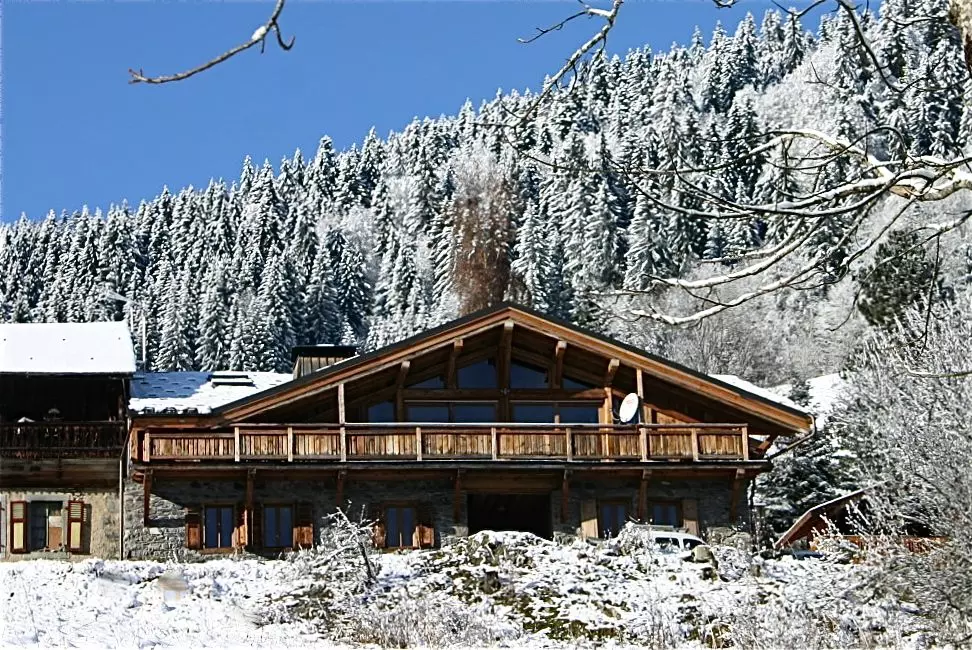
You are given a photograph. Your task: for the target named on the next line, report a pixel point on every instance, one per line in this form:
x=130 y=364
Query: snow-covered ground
x=502 y=589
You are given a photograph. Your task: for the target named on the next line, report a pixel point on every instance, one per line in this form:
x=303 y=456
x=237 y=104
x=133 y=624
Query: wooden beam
x=643 y=496
x=612 y=370
x=558 y=374
x=565 y=497
x=250 y=476
x=766 y=444
x=339 y=493
x=457 y=497
x=450 y=377
x=503 y=369
x=737 y=485
x=342 y=421
x=399 y=387
x=236 y=444
x=146 y=497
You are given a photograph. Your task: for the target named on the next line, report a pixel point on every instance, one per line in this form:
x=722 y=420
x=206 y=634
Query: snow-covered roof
x=197 y=392
x=765 y=393
x=825 y=391
x=66 y=348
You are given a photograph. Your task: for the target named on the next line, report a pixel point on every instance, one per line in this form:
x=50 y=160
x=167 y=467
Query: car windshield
x=691 y=543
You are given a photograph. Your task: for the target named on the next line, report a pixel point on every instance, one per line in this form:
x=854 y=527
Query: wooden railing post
x=643 y=443
x=570 y=445
x=290 y=444
x=236 y=444
x=745 y=442
x=147 y=452
x=494 y=442
x=418 y=443
x=695 y=443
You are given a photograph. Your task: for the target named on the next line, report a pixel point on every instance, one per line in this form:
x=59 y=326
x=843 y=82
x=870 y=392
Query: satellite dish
x=629 y=408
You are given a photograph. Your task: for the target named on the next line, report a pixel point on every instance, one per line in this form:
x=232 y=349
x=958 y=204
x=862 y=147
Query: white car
x=674 y=540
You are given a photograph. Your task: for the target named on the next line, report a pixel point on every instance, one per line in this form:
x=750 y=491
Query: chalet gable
x=511 y=336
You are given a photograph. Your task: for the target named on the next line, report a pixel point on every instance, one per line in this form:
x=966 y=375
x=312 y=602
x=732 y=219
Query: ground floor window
x=611 y=517
x=400 y=524
x=666 y=513
x=218 y=527
x=278 y=526
x=46 y=522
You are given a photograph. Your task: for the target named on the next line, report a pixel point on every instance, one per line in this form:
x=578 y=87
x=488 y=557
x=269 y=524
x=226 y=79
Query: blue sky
x=74 y=132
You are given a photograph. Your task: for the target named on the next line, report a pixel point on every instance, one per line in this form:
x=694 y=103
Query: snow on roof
x=197 y=392
x=765 y=393
x=103 y=348
x=825 y=392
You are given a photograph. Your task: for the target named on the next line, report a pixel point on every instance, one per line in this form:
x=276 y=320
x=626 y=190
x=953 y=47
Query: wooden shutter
x=690 y=515
x=75 y=525
x=425 y=530
x=589 y=518
x=378 y=531
x=194 y=527
x=256 y=527
x=303 y=526
x=240 y=527
x=18 y=526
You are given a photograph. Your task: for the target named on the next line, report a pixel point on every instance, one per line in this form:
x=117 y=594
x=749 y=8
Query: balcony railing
x=29 y=440
x=423 y=442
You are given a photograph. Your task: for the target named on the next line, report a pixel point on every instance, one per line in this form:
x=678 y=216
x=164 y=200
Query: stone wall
x=99 y=531
x=165 y=536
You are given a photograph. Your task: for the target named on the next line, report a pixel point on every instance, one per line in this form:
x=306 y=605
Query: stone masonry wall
x=165 y=537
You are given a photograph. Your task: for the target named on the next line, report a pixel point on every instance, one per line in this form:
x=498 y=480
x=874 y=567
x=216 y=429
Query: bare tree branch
x=259 y=36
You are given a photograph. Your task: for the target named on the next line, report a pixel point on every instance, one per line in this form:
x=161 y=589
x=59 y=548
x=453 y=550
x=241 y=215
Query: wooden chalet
x=504 y=419
x=64 y=391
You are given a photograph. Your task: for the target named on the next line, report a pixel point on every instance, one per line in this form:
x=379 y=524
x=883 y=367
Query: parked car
x=674 y=540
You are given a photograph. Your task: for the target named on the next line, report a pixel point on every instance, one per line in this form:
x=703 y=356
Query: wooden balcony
x=32 y=440
x=421 y=442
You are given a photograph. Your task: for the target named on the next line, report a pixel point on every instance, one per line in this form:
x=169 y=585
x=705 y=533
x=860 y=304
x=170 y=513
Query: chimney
x=311 y=358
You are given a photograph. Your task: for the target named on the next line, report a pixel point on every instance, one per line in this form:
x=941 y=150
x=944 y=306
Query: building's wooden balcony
x=30 y=440
x=428 y=442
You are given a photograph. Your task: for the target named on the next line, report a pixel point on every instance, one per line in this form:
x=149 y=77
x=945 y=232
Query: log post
x=418 y=443
x=695 y=443
x=250 y=476
x=339 y=494
x=570 y=444
x=737 y=485
x=236 y=444
x=565 y=497
x=147 y=450
x=146 y=497
x=494 y=442
x=341 y=422
x=290 y=444
x=745 y=442
x=643 y=443
x=457 y=497
x=643 y=495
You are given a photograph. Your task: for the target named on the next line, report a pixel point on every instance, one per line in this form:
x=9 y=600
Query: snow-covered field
x=501 y=589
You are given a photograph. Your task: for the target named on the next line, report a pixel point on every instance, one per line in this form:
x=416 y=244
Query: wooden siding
x=409 y=441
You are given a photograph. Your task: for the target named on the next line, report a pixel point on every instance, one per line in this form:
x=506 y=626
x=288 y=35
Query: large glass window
x=399 y=526
x=46 y=525
x=526 y=376
x=481 y=374
x=381 y=412
x=431 y=382
x=533 y=412
x=278 y=526
x=474 y=412
x=218 y=527
x=666 y=514
x=580 y=413
x=428 y=412
x=611 y=518
x=574 y=384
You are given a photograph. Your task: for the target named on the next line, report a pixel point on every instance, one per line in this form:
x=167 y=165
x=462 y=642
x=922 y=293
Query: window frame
x=29 y=527
x=612 y=502
x=264 y=528
x=400 y=505
x=674 y=503
x=234 y=533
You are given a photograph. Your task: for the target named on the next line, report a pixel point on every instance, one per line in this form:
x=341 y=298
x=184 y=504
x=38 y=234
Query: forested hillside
x=372 y=244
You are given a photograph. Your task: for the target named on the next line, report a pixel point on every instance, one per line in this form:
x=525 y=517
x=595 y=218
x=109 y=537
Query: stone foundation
x=165 y=535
